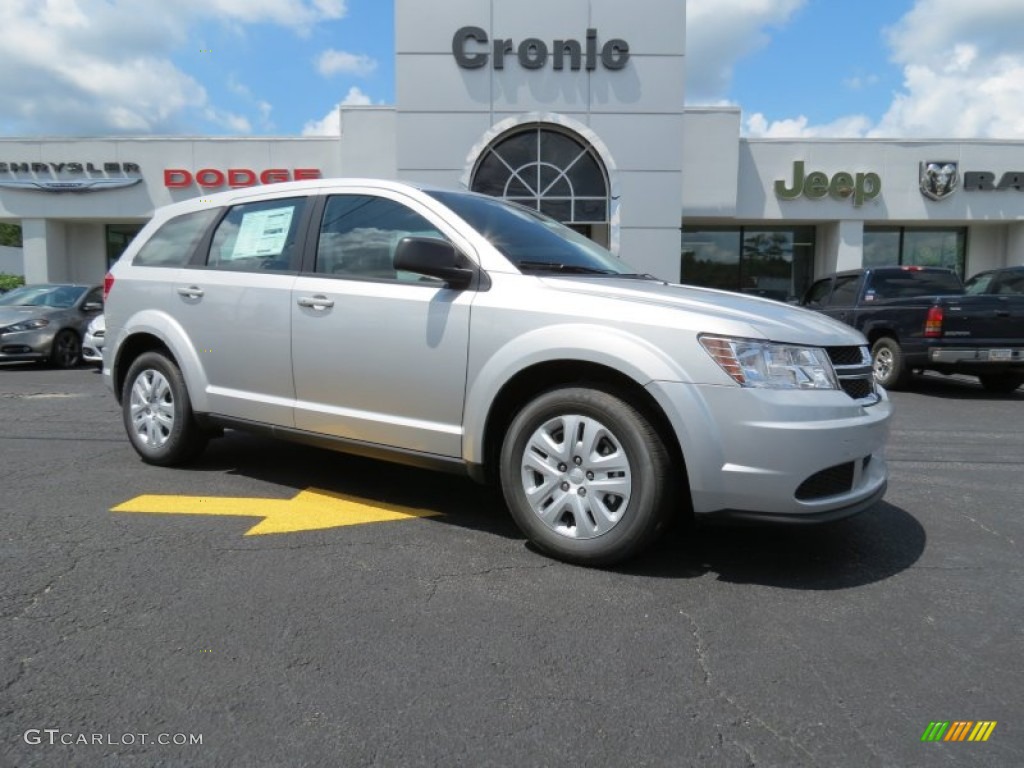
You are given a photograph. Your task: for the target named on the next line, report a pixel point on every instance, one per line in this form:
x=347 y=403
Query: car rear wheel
x=888 y=363
x=66 y=351
x=1001 y=383
x=586 y=476
x=158 y=414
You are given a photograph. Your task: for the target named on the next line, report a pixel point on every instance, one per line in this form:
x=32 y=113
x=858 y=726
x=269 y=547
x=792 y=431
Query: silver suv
x=455 y=331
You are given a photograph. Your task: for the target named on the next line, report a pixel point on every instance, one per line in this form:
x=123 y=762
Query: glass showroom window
x=775 y=262
x=119 y=236
x=888 y=246
x=547 y=170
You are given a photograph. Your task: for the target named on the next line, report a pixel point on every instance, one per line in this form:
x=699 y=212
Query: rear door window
x=258 y=237
x=844 y=293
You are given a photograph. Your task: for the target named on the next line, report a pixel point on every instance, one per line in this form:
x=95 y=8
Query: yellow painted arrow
x=310 y=510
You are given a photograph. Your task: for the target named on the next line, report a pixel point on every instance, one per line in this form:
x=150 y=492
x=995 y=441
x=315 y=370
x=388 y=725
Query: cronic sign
x=473 y=49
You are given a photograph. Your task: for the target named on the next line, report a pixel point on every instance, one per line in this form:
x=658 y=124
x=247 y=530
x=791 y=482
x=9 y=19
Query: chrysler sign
x=69 y=176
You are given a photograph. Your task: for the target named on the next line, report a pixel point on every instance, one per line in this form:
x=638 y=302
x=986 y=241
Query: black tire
x=66 y=350
x=154 y=387
x=889 y=365
x=627 y=434
x=1001 y=383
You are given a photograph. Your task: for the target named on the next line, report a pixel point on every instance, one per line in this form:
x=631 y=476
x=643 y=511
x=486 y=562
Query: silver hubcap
x=883 y=364
x=576 y=476
x=152 y=408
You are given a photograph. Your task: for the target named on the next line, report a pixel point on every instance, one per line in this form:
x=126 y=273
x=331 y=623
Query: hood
x=12 y=315
x=766 y=318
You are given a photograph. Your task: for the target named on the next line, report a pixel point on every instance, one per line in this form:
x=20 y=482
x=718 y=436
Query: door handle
x=191 y=292
x=316 y=302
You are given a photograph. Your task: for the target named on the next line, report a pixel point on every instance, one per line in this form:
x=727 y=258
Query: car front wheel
x=157 y=412
x=586 y=476
x=66 y=351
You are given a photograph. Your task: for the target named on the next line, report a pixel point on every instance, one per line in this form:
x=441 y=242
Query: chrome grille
x=853 y=369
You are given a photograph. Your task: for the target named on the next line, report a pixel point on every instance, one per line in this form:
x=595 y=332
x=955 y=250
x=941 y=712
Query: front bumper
x=92 y=349
x=985 y=355
x=26 y=345
x=788 y=456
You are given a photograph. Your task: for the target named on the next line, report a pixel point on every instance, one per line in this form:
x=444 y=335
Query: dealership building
x=575 y=108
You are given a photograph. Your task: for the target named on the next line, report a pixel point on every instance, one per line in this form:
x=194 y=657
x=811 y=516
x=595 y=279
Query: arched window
x=548 y=170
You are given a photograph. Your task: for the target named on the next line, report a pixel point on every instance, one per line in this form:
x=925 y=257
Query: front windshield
x=56 y=296
x=530 y=240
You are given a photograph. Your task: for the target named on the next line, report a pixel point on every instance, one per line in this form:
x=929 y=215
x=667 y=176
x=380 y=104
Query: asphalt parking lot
x=444 y=640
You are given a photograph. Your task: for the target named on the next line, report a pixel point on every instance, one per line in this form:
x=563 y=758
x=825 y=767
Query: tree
x=10 y=234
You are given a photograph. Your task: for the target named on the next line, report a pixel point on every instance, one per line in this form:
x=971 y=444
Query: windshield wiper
x=572 y=269
x=640 y=276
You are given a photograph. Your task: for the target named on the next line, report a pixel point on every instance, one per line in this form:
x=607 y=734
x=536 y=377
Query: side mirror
x=434 y=258
x=92 y=306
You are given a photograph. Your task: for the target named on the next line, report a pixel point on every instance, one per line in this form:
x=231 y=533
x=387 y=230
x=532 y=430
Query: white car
x=92 y=343
x=459 y=332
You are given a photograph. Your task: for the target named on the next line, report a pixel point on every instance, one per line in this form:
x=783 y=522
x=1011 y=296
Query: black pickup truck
x=920 y=318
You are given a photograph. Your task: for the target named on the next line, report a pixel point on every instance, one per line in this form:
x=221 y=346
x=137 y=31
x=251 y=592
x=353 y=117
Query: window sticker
x=263 y=233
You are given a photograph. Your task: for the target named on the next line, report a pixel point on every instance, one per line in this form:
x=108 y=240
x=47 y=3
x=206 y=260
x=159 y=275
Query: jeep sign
x=815 y=185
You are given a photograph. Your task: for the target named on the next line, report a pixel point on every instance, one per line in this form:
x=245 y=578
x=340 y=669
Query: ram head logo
x=939 y=179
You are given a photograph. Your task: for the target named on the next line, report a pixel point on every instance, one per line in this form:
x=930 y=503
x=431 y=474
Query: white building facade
x=574 y=108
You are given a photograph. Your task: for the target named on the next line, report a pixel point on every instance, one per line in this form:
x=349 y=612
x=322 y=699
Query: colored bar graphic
x=959 y=730
x=982 y=730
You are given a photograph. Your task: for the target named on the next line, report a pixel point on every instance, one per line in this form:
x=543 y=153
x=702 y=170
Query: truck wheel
x=157 y=412
x=890 y=369
x=585 y=475
x=1001 y=383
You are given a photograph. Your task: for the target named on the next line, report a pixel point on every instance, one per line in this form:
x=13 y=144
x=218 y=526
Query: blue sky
x=829 y=59
x=801 y=68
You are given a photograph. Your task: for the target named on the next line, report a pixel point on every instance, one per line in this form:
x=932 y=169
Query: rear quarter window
x=173 y=244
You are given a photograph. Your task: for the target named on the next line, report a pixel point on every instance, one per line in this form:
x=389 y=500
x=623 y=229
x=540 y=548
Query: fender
x=173 y=336
x=613 y=348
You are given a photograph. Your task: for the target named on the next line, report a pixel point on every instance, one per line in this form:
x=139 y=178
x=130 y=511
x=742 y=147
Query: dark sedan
x=46 y=322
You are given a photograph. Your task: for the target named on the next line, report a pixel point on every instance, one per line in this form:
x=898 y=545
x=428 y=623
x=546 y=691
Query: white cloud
x=853 y=126
x=963 y=77
x=104 y=66
x=299 y=15
x=861 y=82
x=721 y=32
x=330 y=124
x=963 y=71
x=332 y=62
x=356 y=98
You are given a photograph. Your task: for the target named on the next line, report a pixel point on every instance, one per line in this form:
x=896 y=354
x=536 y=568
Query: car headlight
x=29 y=325
x=769 y=365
